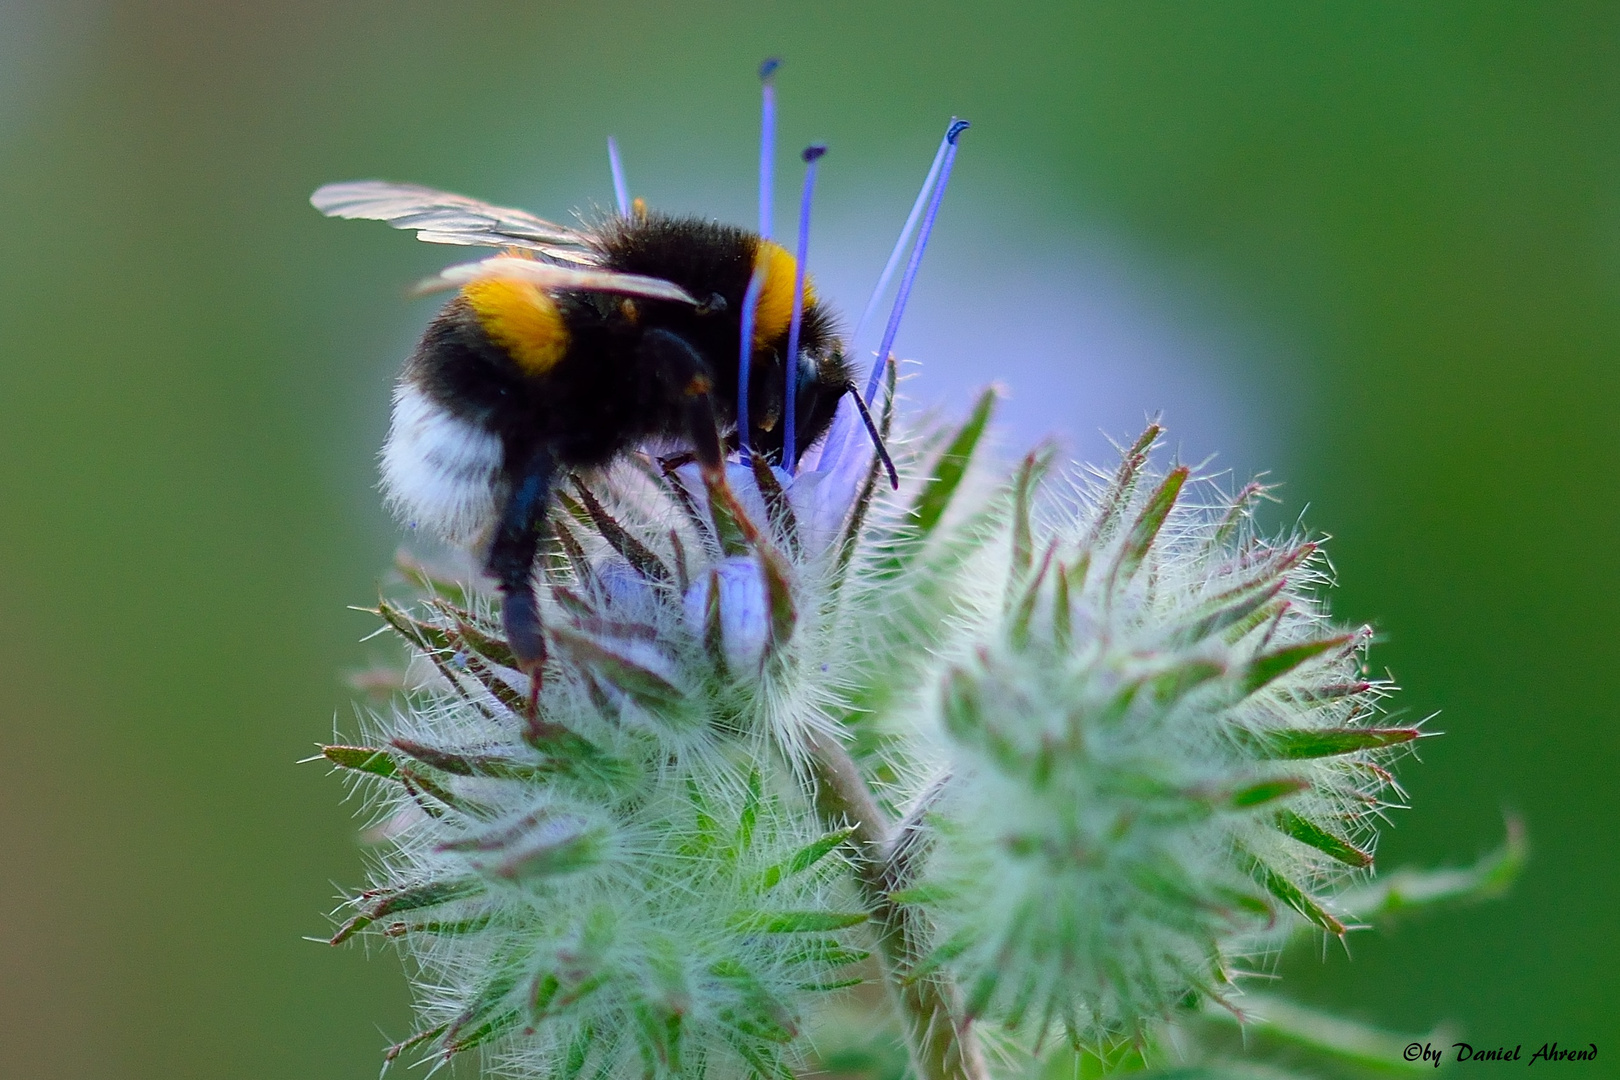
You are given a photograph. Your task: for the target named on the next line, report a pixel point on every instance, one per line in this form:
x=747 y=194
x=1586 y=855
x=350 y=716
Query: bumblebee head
x=822 y=372
x=824 y=378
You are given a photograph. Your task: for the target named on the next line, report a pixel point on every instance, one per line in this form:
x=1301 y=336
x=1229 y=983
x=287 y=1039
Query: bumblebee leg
x=689 y=377
x=511 y=562
x=686 y=457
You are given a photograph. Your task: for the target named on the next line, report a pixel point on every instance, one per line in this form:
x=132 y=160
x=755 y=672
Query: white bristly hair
x=439 y=473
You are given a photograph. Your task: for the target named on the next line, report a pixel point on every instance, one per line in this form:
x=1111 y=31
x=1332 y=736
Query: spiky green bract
x=634 y=881
x=1054 y=760
x=631 y=883
x=583 y=927
x=1160 y=751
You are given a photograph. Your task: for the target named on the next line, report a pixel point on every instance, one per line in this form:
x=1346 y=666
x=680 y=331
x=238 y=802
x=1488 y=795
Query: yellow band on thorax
x=774 y=311
x=522 y=319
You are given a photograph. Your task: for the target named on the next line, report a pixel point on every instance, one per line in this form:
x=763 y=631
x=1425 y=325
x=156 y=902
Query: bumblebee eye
x=809 y=370
x=714 y=305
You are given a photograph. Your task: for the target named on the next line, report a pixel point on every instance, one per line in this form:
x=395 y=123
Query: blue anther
x=790 y=392
x=767 y=141
x=621 y=190
x=952 y=133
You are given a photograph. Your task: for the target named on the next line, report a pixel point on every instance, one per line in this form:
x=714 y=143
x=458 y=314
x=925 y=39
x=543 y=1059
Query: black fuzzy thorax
x=608 y=393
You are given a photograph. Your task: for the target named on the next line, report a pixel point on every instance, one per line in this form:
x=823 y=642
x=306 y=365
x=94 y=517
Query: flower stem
x=939 y=1038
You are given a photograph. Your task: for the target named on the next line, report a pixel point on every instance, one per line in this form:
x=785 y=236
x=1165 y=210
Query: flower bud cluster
x=1122 y=739
x=630 y=881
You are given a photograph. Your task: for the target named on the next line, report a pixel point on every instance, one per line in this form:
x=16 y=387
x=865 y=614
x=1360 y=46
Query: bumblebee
x=573 y=347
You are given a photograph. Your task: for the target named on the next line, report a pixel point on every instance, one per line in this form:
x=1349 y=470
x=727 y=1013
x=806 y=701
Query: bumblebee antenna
x=952 y=133
x=790 y=391
x=904 y=238
x=877 y=438
x=621 y=190
x=767 y=140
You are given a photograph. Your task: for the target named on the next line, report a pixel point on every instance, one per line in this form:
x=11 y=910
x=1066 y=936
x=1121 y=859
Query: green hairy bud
x=1162 y=752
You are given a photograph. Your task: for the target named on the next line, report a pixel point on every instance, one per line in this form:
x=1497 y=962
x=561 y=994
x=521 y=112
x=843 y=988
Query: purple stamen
x=756 y=285
x=621 y=190
x=767 y=153
x=790 y=395
x=767 y=141
x=905 y=238
x=952 y=133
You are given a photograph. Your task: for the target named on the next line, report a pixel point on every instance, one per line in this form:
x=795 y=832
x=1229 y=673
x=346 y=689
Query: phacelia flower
x=1132 y=739
x=1048 y=751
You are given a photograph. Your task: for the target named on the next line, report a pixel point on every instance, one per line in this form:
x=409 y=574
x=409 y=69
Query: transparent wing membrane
x=554 y=279
x=440 y=217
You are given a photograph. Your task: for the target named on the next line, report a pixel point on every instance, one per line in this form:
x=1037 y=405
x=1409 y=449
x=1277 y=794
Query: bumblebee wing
x=554 y=278
x=440 y=217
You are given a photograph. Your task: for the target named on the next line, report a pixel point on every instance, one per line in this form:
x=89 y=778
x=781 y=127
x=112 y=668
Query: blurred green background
x=1372 y=247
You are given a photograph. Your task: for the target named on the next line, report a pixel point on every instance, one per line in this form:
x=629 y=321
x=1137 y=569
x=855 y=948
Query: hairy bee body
x=514 y=384
x=484 y=389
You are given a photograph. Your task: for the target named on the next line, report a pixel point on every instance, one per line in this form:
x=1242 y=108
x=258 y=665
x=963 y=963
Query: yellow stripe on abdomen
x=522 y=319
x=775 y=308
